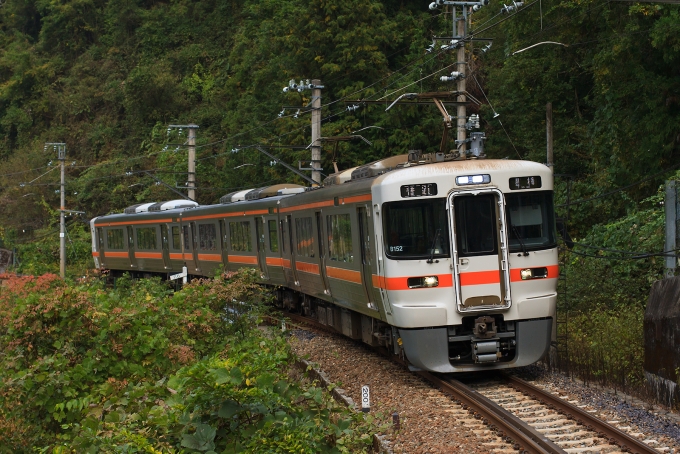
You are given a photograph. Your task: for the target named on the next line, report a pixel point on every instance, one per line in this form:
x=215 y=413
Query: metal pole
x=461 y=114
x=192 y=161
x=62 y=221
x=670 y=211
x=316 y=131
x=549 y=134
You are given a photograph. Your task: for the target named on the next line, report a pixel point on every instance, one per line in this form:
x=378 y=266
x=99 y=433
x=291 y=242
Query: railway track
x=508 y=413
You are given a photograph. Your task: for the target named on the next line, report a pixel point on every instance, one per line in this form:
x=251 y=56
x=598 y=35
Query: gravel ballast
x=430 y=422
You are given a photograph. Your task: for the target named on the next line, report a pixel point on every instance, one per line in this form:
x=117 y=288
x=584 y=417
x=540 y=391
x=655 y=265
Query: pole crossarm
x=292 y=169
x=169 y=187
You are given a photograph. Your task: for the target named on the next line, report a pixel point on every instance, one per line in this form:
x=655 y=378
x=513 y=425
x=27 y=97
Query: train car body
x=452 y=263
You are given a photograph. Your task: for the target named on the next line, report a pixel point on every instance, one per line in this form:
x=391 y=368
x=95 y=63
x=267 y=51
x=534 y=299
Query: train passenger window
x=340 y=238
x=186 y=233
x=273 y=236
x=175 y=237
x=305 y=237
x=416 y=229
x=146 y=238
x=239 y=236
x=531 y=221
x=207 y=237
x=476 y=224
x=114 y=239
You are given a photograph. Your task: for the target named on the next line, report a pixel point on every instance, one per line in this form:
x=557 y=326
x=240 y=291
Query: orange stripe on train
x=307 y=267
x=343 y=274
x=246 y=259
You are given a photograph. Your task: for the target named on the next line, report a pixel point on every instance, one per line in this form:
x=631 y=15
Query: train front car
x=469 y=262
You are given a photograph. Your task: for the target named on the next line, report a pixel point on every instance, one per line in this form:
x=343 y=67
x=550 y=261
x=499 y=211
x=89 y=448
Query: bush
x=143 y=369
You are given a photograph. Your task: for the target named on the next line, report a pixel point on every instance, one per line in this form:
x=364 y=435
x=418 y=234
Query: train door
x=194 y=245
x=289 y=226
x=131 y=247
x=366 y=256
x=166 y=247
x=223 y=244
x=322 y=254
x=261 y=247
x=100 y=248
x=480 y=252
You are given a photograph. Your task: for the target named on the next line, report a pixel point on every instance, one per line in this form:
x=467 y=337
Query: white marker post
x=365 y=399
x=183 y=275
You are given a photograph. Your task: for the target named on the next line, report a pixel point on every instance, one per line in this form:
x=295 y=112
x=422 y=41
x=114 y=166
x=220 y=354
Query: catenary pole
x=549 y=135
x=460 y=58
x=316 y=131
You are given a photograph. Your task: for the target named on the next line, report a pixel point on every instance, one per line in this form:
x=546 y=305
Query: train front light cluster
x=423 y=282
x=533 y=273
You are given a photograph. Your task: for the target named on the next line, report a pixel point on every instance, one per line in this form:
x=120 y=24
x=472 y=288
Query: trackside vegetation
x=140 y=368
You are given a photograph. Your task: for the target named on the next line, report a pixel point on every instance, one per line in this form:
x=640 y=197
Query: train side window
x=176 y=243
x=340 y=238
x=146 y=238
x=186 y=233
x=273 y=236
x=100 y=235
x=207 y=237
x=239 y=236
x=304 y=234
x=114 y=239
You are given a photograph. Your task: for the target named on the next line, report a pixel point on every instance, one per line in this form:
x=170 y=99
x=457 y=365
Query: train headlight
x=533 y=273
x=473 y=179
x=422 y=282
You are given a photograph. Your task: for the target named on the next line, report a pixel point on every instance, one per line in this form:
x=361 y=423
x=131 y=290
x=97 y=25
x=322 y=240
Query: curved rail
x=611 y=433
x=528 y=438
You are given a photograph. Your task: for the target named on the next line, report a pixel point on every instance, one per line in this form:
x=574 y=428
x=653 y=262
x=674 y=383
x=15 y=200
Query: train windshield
x=531 y=221
x=416 y=229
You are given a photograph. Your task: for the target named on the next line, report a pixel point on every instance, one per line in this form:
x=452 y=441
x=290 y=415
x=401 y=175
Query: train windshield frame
x=531 y=221
x=416 y=229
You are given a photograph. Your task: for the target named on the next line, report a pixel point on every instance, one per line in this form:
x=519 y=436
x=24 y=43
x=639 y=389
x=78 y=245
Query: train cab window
x=273 y=236
x=476 y=224
x=531 y=221
x=207 y=237
x=239 y=236
x=305 y=237
x=114 y=239
x=146 y=238
x=186 y=233
x=340 y=238
x=416 y=229
x=176 y=243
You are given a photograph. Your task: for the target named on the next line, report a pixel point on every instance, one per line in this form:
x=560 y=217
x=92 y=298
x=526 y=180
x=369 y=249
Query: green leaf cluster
x=141 y=368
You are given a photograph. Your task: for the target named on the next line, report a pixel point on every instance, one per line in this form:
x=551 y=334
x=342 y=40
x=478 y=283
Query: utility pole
x=191 y=142
x=549 y=135
x=316 y=131
x=461 y=114
x=61 y=155
x=315 y=86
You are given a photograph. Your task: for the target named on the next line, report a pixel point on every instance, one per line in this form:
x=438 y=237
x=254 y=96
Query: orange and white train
x=452 y=263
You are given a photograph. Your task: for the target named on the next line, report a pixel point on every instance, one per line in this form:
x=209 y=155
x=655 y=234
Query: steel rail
x=529 y=439
x=611 y=433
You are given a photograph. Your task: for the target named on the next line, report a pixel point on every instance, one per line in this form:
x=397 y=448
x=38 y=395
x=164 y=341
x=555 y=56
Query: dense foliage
x=143 y=369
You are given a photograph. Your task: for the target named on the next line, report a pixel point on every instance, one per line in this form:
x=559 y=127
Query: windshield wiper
x=521 y=243
x=434 y=242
